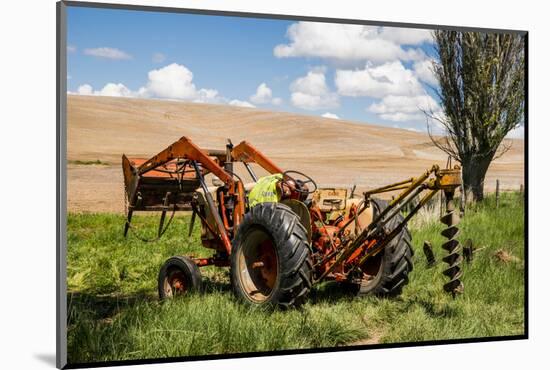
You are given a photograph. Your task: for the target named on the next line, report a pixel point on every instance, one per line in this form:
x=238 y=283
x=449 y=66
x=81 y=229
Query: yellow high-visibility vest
x=265 y=190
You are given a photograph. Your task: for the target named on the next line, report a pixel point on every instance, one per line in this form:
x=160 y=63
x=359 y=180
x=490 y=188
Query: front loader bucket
x=148 y=192
x=156 y=190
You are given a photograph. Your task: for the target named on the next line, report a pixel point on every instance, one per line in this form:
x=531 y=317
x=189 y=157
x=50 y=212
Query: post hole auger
x=280 y=234
x=376 y=236
x=452 y=246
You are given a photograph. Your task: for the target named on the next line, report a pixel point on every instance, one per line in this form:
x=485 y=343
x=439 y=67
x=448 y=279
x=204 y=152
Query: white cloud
x=516 y=133
x=406 y=36
x=71 y=48
x=424 y=71
x=401 y=127
x=311 y=92
x=110 y=89
x=391 y=78
x=264 y=95
x=175 y=81
x=276 y=101
x=330 y=115
x=85 y=90
x=108 y=53
x=351 y=42
x=158 y=58
x=404 y=108
x=240 y=103
x=208 y=96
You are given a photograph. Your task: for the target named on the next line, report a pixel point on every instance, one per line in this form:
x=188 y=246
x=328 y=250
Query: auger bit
x=453 y=258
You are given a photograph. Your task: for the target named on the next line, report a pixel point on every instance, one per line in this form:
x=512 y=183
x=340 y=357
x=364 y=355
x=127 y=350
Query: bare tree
x=481 y=92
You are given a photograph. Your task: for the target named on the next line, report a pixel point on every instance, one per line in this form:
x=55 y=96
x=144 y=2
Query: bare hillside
x=334 y=152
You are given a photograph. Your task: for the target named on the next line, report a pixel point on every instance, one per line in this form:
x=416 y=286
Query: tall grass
x=114 y=313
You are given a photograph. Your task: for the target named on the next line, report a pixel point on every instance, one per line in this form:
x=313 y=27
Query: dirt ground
x=335 y=153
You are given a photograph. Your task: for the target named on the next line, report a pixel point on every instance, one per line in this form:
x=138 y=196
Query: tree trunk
x=473 y=176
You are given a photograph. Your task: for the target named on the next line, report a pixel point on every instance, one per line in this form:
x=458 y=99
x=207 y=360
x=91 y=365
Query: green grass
x=114 y=313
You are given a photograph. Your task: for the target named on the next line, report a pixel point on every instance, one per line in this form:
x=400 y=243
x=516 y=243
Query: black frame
x=61 y=186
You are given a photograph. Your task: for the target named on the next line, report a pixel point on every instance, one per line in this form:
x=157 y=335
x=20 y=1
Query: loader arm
x=185 y=148
x=246 y=153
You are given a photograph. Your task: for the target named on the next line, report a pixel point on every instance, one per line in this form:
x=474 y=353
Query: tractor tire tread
x=293 y=250
x=397 y=260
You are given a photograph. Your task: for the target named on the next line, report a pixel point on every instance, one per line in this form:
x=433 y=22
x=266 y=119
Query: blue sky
x=360 y=73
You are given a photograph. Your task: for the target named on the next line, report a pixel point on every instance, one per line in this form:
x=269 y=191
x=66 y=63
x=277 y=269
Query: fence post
x=462 y=200
x=497 y=193
x=441 y=204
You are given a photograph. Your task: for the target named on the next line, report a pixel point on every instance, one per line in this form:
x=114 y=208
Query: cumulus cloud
x=311 y=92
x=264 y=95
x=85 y=90
x=403 y=108
x=401 y=93
x=241 y=103
x=111 y=89
x=174 y=81
x=158 y=58
x=408 y=128
x=424 y=71
x=208 y=96
x=390 y=78
x=276 y=101
x=108 y=53
x=351 y=42
x=405 y=36
x=330 y=115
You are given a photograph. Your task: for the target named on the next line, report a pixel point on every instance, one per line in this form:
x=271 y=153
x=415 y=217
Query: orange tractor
x=281 y=234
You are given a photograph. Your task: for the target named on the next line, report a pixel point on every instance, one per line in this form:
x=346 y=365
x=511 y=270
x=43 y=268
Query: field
x=114 y=313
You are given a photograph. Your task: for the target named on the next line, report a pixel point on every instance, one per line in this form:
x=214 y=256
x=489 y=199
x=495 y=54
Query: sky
x=368 y=74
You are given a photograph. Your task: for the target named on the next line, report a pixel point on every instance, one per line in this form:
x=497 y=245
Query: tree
x=481 y=92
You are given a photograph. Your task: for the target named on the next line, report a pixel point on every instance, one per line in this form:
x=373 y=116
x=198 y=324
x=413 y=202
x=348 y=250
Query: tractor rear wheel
x=388 y=272
x=177 y=276
x=270 y=260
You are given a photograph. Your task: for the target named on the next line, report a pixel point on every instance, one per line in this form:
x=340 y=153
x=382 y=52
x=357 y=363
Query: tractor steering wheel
x=299 y=183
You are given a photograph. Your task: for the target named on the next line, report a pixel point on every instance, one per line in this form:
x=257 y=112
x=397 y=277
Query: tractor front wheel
x=177 y=276
x=270 y=260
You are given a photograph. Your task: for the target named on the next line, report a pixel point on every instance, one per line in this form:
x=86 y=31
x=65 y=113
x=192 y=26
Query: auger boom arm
x=376 y=236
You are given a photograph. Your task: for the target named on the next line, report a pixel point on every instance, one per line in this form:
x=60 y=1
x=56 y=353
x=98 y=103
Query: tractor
x=281 y=234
